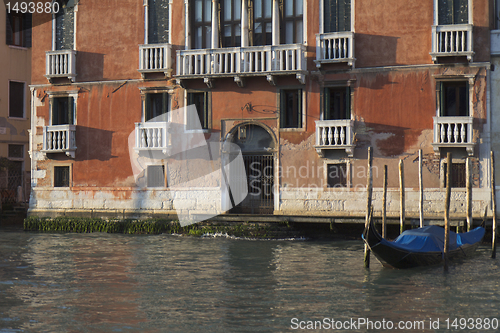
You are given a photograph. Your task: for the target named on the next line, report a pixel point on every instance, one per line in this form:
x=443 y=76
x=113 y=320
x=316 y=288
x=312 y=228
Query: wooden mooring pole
x=493 y=208
x=369 y=191
x=402 y=196
x=468 y=185
x=384 y=205
x=421 y=189
x=447 y=212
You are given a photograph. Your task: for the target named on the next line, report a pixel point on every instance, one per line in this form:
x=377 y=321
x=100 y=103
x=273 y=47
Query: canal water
x=128 y=283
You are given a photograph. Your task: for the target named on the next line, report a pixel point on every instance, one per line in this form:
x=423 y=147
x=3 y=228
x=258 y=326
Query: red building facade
x=303 y=87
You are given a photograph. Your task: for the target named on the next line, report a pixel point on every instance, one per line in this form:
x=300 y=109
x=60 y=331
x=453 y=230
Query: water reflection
x=107 y=283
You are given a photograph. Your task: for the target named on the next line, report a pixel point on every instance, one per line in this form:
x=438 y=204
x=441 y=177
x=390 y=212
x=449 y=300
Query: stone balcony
x=60 y=64
x=452 y=40
x=335 y=47
x=59 y=139
x=453 y=132
x=155 y=58
x=334 y=134
x=240 y=62
x=151 y=136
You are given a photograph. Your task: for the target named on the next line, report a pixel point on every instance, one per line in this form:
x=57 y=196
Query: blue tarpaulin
x=431 y=239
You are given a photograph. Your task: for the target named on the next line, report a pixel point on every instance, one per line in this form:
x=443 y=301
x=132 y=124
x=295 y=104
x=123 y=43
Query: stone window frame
x=67 y=93
x=146 y=21
x=442 y=173
x=322 y=17
x=469 y=12
x=337 y=84
x=303 y=105
x=469 y=78
x=70 y=180
x=54 y=28
x=208 y=93
x=155 y=90
x=348 y=163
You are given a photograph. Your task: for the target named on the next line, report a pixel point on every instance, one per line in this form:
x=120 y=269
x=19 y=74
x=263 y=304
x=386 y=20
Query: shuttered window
x=156 y=105
x=158 y=21
x=291 y=108
x=200 y=100
x=337 y=15
x=337 y=103
x=63 y=110
x=454 y=99
x=18 y=29
x=453 y=12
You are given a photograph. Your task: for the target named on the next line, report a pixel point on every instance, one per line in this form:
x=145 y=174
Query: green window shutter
x=71 y=110
x=27 y=23
x=147 y=107
x=348 y=103
x=165 y=98
x=299 y=108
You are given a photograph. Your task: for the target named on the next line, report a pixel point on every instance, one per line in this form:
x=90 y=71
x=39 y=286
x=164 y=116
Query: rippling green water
x=119 y=283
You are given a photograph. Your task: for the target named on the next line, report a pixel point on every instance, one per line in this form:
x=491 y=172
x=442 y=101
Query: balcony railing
x=254 y=60
x=61 y=63
x=453 y=132
x=59 y=139
x=155 y=58
x=335 y=47
x=152 y=136
x=334 y=134
x=452 y=40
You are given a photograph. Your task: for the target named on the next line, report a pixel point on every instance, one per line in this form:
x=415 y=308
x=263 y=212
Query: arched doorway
x=258 y=146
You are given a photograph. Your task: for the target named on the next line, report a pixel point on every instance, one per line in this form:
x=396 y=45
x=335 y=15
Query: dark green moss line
x=88 y=225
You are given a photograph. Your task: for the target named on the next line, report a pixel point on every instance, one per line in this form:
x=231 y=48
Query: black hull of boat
x=394 y=257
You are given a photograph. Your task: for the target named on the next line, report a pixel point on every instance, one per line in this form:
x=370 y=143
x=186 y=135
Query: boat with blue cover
x=422 y=246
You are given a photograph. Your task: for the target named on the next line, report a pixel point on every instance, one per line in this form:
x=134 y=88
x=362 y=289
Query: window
x=15 y=168
x=291 y=22
x=18 y=29
x=63 y=110
x=337 y=15
x=454 y=99
x=230 y=22
x=65 y=26
x=453 y=12
x=61 y=176
x=158 y=21
x=156 y=105
x=458 y=175
x=202 y=24
x=16 y=99
x=337 y=103
x=16 y=151
x=291 y=108
x=337 y=175
x=201 y=101
x=262 y=22
x=156 y=175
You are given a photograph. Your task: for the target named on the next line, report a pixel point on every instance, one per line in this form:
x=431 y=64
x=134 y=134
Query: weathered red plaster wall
x=393 y=32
